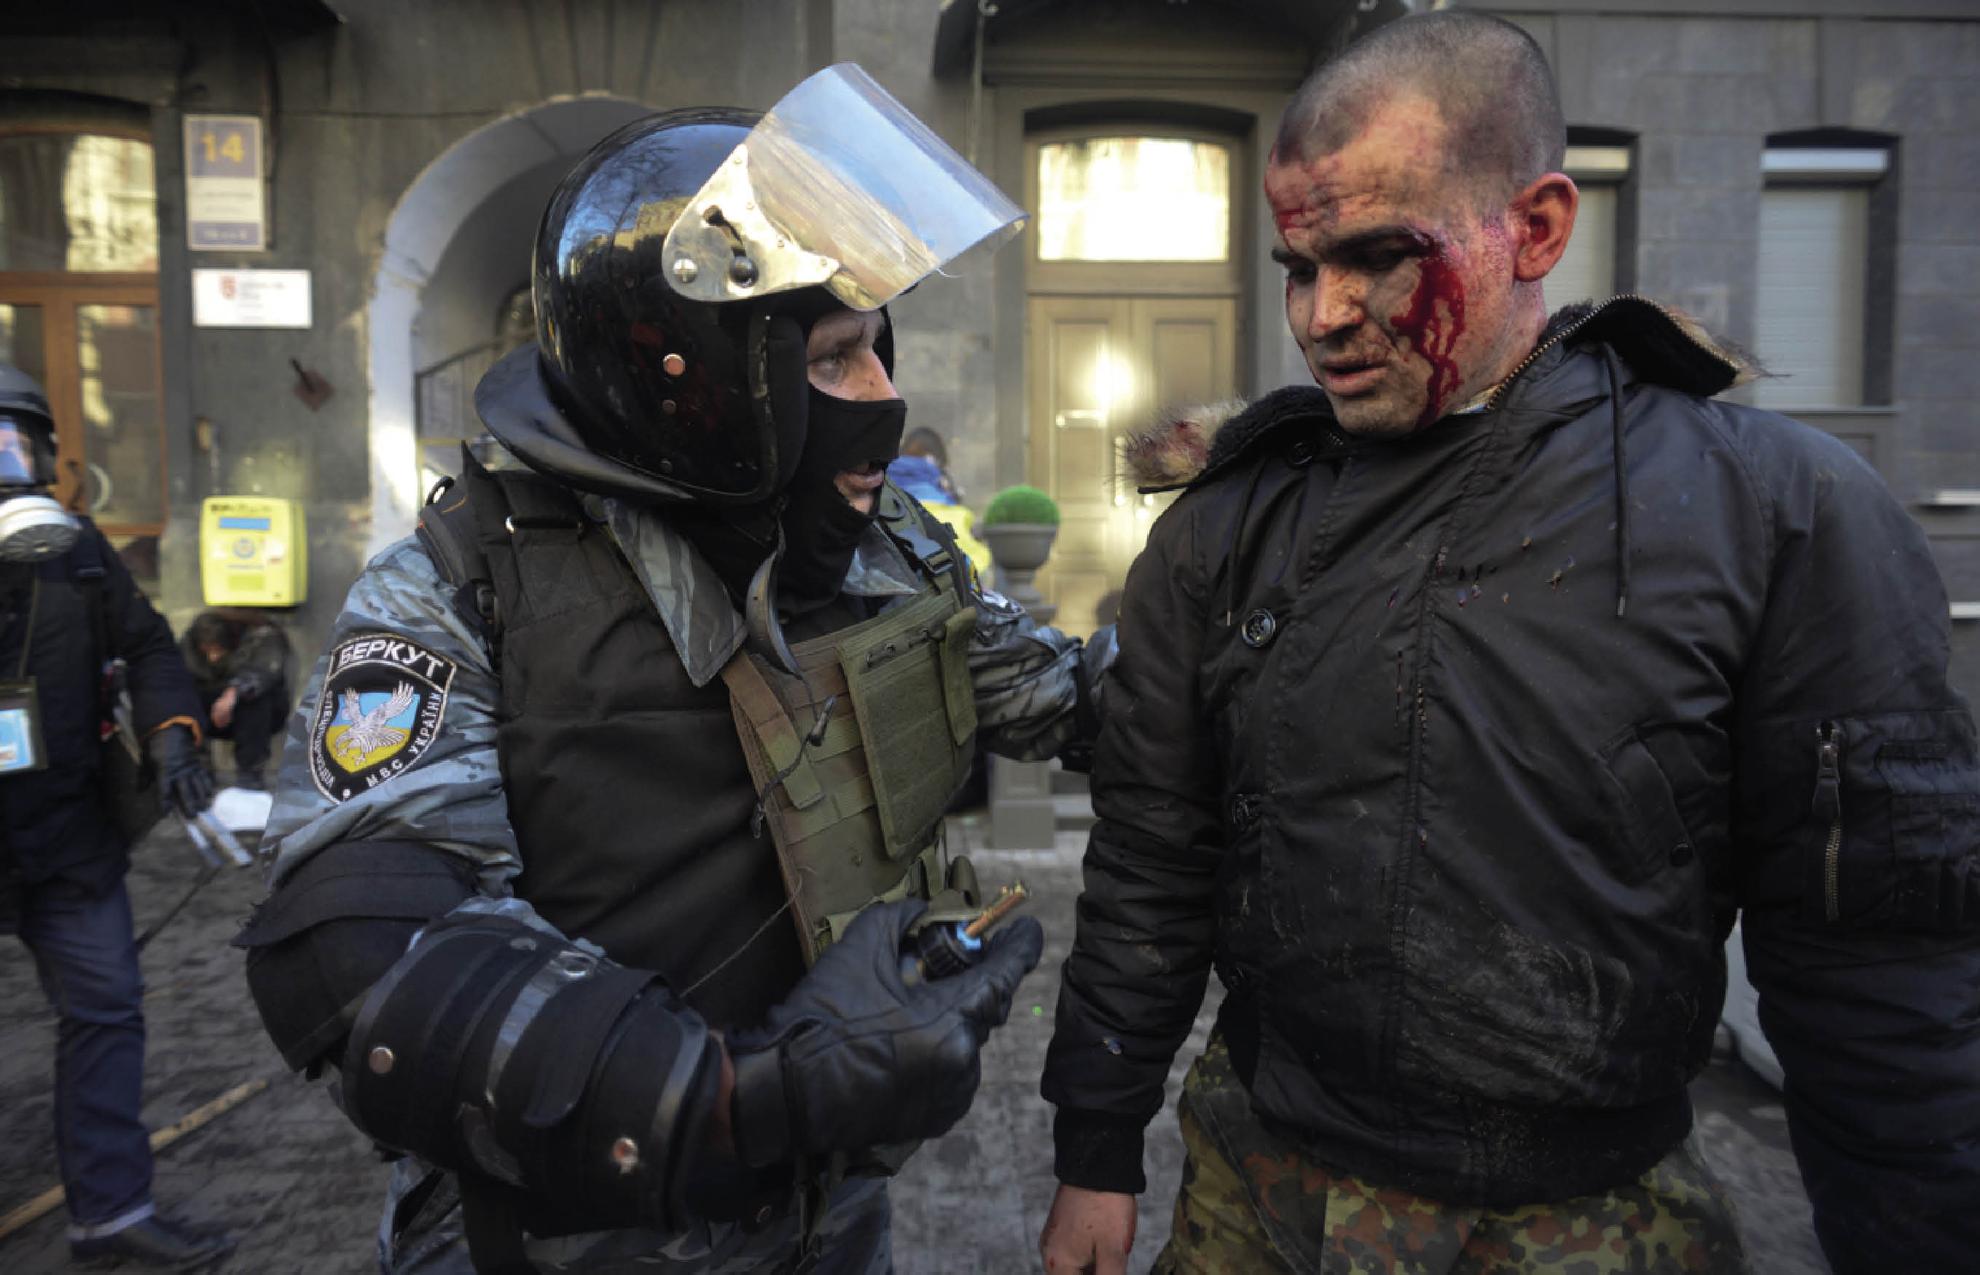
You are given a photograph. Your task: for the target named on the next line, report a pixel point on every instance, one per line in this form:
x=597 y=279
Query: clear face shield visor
x=840 y=186
x=27 y=453
x=33 y=527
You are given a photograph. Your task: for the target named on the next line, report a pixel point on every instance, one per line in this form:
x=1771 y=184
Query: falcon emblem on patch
x=381 y=709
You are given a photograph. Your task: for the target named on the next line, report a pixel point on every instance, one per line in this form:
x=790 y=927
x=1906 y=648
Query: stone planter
x=1022 y=816
x=1019 y=549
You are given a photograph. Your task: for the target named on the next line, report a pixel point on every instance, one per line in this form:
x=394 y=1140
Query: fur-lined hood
x=1661 y=344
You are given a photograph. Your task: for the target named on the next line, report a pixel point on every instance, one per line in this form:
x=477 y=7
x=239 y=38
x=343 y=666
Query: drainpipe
x=985 y=10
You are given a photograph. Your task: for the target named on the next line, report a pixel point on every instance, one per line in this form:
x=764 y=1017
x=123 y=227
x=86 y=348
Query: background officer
x=68 y=608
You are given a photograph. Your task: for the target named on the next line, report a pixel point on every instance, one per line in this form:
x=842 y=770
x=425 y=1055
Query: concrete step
x=1028 y=810
x=1072 y=811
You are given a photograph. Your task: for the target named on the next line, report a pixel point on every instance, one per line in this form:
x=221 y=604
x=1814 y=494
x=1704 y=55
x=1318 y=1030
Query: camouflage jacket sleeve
x=394 y=738
x=258 y=665
x=1037 y=689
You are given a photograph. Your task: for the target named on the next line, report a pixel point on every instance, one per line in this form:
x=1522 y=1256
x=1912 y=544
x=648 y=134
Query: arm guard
x=332 y=929
x=497 y=1048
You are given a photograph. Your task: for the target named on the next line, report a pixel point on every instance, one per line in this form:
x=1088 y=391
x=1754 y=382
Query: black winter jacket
x=258 y=663
x=53 y=822
x=1459 y=753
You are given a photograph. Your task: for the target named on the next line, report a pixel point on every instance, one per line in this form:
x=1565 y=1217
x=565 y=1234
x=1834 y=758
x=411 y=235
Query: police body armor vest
x=640 y=802
x=859 y=754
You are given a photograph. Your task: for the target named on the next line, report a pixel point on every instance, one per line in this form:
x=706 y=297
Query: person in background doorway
x=240 y=664
x=922 y=468
x=922 y=471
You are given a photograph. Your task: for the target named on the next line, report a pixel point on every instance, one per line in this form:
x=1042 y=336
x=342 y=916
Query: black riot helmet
x=684 y=391
x=680 y=265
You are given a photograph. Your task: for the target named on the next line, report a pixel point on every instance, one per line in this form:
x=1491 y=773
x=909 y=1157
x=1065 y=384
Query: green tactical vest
x=858 y=754
x=852 y=762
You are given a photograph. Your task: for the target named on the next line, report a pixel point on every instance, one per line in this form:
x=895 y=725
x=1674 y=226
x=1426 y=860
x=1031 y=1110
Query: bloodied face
x=1399 y=288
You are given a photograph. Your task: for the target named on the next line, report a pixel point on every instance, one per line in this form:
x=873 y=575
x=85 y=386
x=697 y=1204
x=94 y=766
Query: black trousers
x=88 y=961
x=254 y=725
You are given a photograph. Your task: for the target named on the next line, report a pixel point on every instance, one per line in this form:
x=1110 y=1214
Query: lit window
x=1810 y=274
x=79 y=313
x=1587 y=270
x=1134 y=199
x=106 y=216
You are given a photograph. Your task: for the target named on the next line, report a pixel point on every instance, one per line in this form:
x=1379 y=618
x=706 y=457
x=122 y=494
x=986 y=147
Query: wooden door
x=92 y=342
x=1101 y=369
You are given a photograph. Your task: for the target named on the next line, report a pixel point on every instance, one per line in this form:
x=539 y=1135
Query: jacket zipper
x=1499 y=394
x=1828 y=805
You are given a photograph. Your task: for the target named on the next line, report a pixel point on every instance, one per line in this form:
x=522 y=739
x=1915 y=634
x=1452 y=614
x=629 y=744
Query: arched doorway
x=456 y=249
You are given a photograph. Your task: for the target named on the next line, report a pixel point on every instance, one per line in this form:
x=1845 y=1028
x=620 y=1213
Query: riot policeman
x=643 y=742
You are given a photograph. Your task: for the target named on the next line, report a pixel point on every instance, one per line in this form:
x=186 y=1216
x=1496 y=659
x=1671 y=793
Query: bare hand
x=222 y=711
x=1088 y=1231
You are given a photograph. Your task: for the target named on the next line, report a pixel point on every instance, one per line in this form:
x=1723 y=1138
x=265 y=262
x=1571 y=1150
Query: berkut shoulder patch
x=381 y=710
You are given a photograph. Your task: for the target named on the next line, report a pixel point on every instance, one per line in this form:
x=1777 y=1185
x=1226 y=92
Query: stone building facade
x=1804 y=177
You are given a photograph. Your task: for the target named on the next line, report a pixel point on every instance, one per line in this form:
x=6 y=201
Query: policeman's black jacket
x=53 y=820
x=1456 y=755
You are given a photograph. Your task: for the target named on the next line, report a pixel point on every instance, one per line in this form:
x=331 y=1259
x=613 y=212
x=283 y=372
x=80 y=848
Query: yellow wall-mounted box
x=253 y=552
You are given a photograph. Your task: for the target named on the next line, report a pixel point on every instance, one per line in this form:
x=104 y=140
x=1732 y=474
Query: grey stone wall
x=1702 y=93
x=360 y=112
x=943 y=364
x=361 y=109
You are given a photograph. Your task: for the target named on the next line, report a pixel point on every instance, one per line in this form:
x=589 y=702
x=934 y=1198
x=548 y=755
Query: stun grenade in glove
x=940 y=949
x=857 y=1057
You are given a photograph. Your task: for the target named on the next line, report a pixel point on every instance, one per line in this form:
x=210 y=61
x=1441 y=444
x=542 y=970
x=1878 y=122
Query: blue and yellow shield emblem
x=383 y=703
x=369 y=729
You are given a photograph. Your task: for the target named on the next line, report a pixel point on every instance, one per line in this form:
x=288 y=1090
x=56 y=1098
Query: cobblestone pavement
x=300 y=1188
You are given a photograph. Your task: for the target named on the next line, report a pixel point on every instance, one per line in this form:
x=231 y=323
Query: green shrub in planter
x=1021 y=504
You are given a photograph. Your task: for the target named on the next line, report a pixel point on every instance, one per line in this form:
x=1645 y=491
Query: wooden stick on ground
x=160 y=1139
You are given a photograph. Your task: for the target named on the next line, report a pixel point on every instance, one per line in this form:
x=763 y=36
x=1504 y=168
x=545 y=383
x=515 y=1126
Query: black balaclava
x=820 y=528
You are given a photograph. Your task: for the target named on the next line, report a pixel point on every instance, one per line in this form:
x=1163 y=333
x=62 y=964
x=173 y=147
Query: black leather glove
x=856 y=1058
x=184 y=784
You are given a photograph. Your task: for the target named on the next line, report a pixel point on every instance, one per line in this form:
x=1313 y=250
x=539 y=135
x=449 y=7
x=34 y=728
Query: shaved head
x=1487 y=78
x=1417 y=191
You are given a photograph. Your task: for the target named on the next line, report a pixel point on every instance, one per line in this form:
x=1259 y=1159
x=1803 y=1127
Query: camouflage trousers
x=1251 y=1203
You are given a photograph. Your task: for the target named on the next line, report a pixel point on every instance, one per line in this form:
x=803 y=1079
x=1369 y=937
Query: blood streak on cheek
x=1432 y=323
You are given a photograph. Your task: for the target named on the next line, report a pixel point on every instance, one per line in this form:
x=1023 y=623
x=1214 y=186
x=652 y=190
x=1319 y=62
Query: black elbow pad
x=333 y=928
x=498 y=1049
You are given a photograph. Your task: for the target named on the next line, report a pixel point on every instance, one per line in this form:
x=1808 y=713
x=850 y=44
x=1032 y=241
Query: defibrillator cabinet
x=253 y=552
